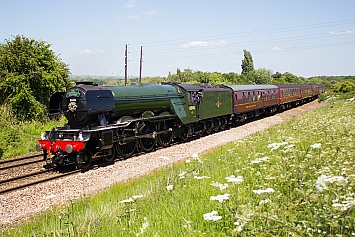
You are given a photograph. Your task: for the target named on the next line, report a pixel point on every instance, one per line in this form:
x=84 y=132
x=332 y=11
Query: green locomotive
x=104 y=122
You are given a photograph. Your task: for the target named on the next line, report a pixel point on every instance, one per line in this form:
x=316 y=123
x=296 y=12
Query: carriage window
x=244 y=99
x=249 y=97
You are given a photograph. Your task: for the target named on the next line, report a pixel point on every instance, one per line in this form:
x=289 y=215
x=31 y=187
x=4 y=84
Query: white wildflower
x=144 y=226
x=127 y=200
x=196 y=158
x=321 y=183
x=260 y=191
x=289 y=146
x=169 y=187
x=239 y=226
x=220 y=198
x=182 y=175
x=219 y=185
x=235 y=180
x=212 y=216
x=344 y=205
x=264 y=201
x=137 y=196
x=275 y=145
x=188 y=161
x=201 y=177
x=316 y=145
x=258 y=160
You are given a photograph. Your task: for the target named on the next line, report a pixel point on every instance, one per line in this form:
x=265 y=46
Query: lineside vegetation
x=294 y=179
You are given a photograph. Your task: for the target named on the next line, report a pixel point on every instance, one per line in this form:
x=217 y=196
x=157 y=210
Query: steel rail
x=22 y=164
x=18 y=159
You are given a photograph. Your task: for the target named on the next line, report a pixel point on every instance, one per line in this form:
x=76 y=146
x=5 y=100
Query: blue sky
x=304 y=37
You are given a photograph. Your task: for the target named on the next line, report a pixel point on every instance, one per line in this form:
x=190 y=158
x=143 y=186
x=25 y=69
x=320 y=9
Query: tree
x=344 y=86
x=290 y=78
x=247 y=63
x=30 y=73
x=260 y=76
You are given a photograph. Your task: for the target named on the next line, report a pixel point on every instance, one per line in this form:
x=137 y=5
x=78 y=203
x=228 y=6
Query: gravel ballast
x=22 y=204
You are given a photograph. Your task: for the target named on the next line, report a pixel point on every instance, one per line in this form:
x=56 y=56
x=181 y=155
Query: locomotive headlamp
x=38 y=147
x=69 y=148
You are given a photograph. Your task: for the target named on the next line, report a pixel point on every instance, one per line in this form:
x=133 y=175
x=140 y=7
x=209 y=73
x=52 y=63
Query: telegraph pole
x=140 y=66
x=125 y=66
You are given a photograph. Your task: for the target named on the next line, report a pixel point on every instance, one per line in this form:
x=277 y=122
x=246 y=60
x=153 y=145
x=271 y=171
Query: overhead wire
x=173 y=48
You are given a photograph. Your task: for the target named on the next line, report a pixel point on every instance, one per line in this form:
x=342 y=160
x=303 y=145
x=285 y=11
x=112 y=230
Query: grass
x=294 y=179
x=18 y=138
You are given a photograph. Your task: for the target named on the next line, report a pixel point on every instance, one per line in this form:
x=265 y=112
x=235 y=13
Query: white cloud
x=133 y=17
x=149 y=13
x=203 y=44
x=142 y=15
x=87 y=51
x=348 y=32
x=119 y=16
x=130 y=3
x=277 y=48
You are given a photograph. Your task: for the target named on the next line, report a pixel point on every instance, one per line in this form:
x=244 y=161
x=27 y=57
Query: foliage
x=29 y=73
x=344 y=86
x=290 y=78
x=247 y=63
x=260 y=76
x=190 y=77
x=250 y=187
x=19 y=138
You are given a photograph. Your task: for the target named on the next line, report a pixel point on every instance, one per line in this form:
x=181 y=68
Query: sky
x=304 y=37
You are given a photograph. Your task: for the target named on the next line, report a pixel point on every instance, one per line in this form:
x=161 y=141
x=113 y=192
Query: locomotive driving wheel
x=165 y=139
x=109 y=155
x=185 y=133
x=83 y=159
x=147 y=144
x=217 y=125
x=209 y=127
x=128 y=147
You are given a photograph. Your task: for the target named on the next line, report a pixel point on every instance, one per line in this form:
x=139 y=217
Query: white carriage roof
x=251 y=87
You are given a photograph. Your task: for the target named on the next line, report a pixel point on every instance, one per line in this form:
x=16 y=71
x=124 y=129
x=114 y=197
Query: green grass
x=18 y=138
x=286 y=162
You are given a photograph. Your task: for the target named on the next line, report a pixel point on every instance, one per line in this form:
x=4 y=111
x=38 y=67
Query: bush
x=18 y=138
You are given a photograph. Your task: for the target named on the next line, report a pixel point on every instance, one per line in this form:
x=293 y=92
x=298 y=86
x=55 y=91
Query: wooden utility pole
x=125 y=66
x=140 y=66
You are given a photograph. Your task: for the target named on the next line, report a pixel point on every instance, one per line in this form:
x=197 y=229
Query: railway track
x=21 y=161
x=18 y=182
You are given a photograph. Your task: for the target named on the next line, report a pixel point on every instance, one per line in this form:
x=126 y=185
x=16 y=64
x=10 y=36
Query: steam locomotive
x=105 y=122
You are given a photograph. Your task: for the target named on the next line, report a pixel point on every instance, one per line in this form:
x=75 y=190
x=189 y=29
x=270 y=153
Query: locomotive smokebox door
x=106 y=140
